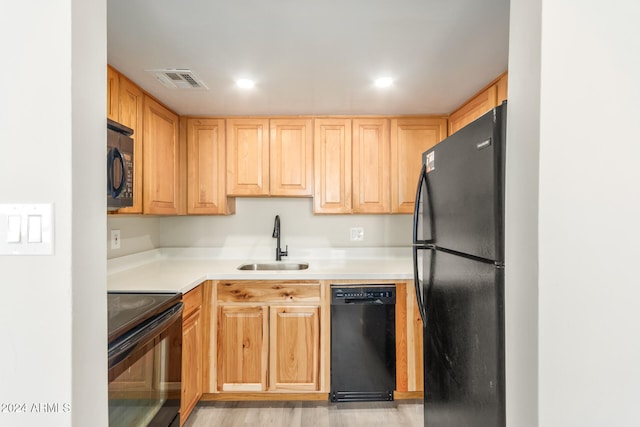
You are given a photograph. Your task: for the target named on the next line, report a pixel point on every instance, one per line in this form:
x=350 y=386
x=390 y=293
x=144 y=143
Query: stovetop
x=126 y=310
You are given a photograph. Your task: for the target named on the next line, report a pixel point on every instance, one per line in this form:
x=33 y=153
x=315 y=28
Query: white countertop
x=181 y=269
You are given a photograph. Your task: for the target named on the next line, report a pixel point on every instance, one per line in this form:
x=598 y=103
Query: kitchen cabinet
x=242 y=348
x=206 y=170
x=248 y=157
x=269 y=157
x=130 y=114
x=268 y=337
x=488 y=98
x=332 y=166
x=409 y=329
x=125 y=106
x=291 y=157
x=161 y=160
x=192 y=352
x=113 y=92
x=502 y=88
x=370 y=167
x=294 y=342
x=410 y=137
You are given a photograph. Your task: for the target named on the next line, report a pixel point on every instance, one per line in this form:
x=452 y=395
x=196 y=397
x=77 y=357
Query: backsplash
x=252 y=226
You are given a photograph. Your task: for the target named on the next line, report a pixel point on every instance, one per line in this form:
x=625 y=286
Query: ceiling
x=314 y=58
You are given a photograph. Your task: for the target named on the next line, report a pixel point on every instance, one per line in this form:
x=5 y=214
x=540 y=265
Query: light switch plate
x=26 y=229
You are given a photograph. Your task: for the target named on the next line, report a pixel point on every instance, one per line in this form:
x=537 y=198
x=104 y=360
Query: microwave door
x=116 y=173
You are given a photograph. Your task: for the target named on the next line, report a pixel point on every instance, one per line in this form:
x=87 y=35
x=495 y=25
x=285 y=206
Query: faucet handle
x=286 y=251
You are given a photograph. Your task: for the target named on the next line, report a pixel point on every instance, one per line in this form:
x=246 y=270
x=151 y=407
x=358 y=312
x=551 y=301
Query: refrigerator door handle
x=417 y=283
x=422 y=199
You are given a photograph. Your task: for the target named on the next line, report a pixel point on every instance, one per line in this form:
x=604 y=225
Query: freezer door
x=465 y=181
x=463 y=343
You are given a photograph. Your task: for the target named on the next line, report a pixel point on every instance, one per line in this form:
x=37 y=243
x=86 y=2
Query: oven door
x=145 y=372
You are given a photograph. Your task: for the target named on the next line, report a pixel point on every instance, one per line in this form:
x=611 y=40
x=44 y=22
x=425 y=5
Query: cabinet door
x=502 y=87
x=206 y=172
x=248 y=157
x=191 y=364
x=294 y=348
x=332 y=166
x=474 y=108
x=291 y=162
x=409 y=139
x=161 y=160
x=242 y=348
x=130 y=114
x=113 y=93
x=371 y=176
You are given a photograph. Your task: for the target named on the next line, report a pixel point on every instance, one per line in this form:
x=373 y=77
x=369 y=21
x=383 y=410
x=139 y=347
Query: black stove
x=127 y=310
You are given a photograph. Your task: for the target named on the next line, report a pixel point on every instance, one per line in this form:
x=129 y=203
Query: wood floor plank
x=307 y=413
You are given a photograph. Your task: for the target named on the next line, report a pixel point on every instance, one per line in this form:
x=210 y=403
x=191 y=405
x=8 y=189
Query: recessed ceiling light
x=384 y=82
x=245 y=83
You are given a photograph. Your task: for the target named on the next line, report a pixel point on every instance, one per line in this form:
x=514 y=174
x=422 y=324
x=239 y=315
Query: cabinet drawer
x=192 y=300
x=268 y=291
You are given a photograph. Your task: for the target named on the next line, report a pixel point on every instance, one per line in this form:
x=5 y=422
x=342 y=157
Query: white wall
x=252 y=225
x=584 y=124
x=521 y=258
x=52 y=310
x=137 y=234
x=88 y=180
x=589 y=213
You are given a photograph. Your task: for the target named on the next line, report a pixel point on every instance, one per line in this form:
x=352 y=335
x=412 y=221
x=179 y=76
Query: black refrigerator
x=458 y=253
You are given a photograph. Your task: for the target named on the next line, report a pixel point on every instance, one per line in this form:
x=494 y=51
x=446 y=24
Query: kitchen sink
x=275 y=266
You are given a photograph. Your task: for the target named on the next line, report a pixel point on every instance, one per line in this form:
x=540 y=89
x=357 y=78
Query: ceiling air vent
x=178 y=79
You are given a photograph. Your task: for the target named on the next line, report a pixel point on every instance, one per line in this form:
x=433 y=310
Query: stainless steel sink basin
x=275 y=266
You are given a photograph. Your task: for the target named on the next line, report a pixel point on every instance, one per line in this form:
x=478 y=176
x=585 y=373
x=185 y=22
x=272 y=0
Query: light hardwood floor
x=307 y=414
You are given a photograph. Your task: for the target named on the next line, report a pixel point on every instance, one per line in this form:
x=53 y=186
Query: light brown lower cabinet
x=294 y=343
x=272 y=338
x=268 y=337
x=242 y=348
x=192 y=352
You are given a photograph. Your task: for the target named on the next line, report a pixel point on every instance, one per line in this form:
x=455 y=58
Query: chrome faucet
x=276 y=234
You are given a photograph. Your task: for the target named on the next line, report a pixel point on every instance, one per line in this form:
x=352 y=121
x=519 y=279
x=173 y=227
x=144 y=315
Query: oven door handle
x=124 y=346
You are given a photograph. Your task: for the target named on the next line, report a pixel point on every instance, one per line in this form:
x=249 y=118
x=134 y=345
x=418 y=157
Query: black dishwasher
x=363 y=343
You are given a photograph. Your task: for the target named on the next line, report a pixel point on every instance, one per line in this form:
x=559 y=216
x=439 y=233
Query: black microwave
x=119 y=166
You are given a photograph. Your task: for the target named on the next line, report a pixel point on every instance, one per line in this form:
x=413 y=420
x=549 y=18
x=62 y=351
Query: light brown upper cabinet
x=206 y=171
x=291 y=157
x=411 y=137
x=248 y=157
x=485 y=100
x=269 y=157
x=371 y=175
x=502 y=88
x=332 y=166
x=161 y=160
x=113 y=92
x=130 y=114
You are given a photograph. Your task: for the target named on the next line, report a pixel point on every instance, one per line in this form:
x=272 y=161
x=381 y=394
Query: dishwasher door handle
x=363 y=301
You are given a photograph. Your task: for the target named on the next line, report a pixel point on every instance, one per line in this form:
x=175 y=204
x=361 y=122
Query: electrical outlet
x=357 y=234
x=115 y=239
